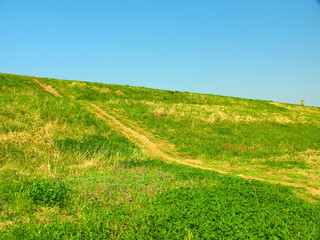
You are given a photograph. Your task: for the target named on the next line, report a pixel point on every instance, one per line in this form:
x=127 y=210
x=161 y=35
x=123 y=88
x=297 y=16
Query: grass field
x=65 y=173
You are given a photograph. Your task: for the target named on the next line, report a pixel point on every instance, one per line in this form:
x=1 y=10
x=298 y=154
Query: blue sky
x=253 y=49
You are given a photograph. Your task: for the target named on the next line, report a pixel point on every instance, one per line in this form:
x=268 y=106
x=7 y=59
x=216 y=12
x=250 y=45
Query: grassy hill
x=81 y=160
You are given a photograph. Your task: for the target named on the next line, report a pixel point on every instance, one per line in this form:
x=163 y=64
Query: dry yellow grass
x=46 y=215
x=36 y=135
x=77 y=84
x=232 y=114
x=5 y=224
x=45 y=169
x=101 y=89
x=118 y=92
x=310 y=157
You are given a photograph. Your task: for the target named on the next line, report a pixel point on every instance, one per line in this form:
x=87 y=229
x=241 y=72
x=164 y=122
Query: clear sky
x=250 y=48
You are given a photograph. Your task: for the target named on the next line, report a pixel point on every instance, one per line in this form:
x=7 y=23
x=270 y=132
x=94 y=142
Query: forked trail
x=152 y=149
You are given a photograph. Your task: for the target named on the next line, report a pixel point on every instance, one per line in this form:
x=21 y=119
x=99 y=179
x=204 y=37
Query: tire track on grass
x=151 y=149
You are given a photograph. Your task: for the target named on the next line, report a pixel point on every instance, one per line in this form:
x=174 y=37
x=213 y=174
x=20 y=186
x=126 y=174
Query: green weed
x=49 y=192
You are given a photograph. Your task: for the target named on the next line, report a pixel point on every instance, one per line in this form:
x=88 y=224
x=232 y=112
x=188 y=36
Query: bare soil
x=47 y=88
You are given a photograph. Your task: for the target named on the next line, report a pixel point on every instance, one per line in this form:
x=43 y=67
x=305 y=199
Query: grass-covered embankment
x=265 y=139
x=65 y=174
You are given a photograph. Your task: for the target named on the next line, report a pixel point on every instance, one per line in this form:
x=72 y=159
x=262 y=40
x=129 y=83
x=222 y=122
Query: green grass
x=218 y=130
x=65 y=174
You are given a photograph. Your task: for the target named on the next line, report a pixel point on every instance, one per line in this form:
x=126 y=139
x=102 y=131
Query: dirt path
x=151 y=149
x=47 y=88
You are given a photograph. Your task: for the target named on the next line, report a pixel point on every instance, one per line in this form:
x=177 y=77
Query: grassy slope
x=65 y=174
x=257 y=138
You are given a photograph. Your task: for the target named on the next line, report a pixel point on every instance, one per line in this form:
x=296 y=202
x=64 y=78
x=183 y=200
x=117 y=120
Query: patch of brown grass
x=101 y=90
x=5 y=224
x=159 y=113
x=45 y=169
x=46 y=214
x=118 y=92
x=234 y=114
x=77 y=84
x=37 y=135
